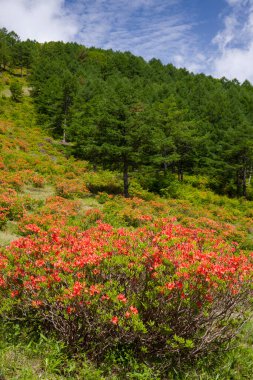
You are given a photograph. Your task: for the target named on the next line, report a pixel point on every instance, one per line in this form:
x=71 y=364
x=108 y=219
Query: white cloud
x=43 y=20
x=235 y=63
x=235 y=43
x=150 y=28
x=223 y=38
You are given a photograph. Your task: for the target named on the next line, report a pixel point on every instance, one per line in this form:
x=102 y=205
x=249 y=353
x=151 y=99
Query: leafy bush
x=135 y=190
x=163 y=291
x=71 y=188
x=104 y=181
x=38 y=181
x=55 y=212
x=16 y=91
x=13 y=206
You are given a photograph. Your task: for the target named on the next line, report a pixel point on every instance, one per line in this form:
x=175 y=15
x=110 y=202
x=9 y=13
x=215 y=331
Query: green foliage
x=168 y=131
x=111 y=131
x=24 y=359
x=103 y=181
x=128 y=115
x=27 y=355
x=161 y=288
x=16 y=91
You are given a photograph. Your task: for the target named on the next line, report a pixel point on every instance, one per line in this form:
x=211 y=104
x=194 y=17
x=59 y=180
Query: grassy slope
x=34 y=172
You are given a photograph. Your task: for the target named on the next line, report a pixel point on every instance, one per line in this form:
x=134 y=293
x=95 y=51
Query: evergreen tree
x=109 y=130
x=16 y=91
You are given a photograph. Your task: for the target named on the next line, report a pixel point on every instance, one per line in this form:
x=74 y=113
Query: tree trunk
x=64 y=129
x=64 y=137
x=126 y=179
x=180 y=172
x=165 y=167
x=250 y=176
x=244 y=184
x=238 y=183
x=173 y=168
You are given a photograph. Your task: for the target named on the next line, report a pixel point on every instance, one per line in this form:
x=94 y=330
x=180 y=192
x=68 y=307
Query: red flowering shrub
x=131 y=212
x=11 y=180
x=2 y=165
x=163 y=290
x=13 y=206
x=56 y=212
x=71 y=188
x=38 y=181
x=90 y=218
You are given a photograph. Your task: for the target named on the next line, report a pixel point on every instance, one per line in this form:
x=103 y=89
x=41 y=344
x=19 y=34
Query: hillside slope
x=46 y=194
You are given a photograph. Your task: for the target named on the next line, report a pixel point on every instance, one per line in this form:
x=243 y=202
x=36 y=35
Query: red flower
x=122 y=298
x=70 y=310
x=115 y=320
x=36 y=303
x=77 y=288
x=134 y=310
x=105 y=297
x=170 y=285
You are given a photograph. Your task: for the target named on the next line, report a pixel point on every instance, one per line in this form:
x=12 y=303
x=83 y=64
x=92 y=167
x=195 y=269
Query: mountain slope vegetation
x=118 y=259
x=126 y=114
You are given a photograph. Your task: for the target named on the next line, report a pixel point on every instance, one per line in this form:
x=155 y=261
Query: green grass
x=235 y=364
x=89 y=203
x=47 y=359
x=16 y=364
x=21 y=359
x=39 y=194
x=6 y=238
x=32 y=356
x=9 y=233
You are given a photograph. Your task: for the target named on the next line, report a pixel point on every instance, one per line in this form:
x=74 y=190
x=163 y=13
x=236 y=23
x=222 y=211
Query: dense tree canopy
x=127 y=114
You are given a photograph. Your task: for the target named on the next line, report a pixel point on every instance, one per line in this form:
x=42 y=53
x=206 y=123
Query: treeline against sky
x=144 y=119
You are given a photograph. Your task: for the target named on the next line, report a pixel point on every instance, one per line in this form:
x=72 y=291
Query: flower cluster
x=149 y=286
x=13 y=206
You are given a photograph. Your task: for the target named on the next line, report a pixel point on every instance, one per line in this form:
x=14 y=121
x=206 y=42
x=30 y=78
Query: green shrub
x=103 y=181
x=16 y=91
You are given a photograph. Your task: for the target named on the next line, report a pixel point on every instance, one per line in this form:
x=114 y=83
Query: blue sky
x=210 y=36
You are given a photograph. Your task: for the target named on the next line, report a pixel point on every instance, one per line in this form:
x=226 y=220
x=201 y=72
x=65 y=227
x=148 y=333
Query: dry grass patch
x=89 y=203
x=39 y=193
x=7 y=237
